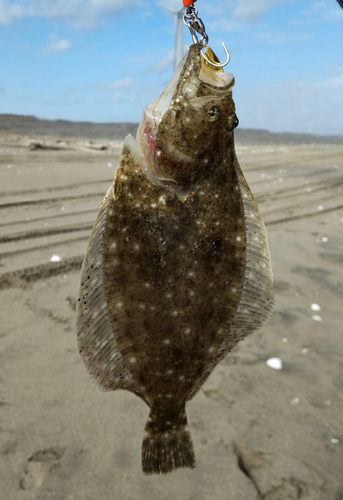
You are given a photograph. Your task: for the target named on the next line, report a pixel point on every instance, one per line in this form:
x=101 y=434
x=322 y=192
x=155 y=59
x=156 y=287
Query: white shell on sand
x=315 y=307
x=55 y=258
x=274 y=363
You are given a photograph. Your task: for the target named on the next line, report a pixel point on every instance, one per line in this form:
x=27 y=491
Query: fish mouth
x=152 y=117
x=192 y=73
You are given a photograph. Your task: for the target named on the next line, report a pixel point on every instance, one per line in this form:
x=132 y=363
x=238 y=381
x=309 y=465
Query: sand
x=257 y=432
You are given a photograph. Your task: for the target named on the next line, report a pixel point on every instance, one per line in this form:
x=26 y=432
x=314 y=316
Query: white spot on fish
x=166 y=341
x=133 y=360
x=119 y=305
x=210 y=349
x=238 y=238
x=113 y=245
x=136 y=247
x=315 y=307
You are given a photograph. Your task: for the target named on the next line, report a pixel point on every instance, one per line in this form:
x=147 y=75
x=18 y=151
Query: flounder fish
x=177 y=269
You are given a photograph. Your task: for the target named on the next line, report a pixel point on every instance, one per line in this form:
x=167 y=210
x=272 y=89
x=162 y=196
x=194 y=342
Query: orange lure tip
x=188 y=3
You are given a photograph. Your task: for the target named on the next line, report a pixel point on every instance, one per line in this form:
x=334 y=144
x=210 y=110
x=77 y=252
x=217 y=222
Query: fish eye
x=214 y=114
x=232 y=122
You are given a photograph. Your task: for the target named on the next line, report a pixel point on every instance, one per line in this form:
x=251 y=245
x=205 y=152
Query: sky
x=105 y=60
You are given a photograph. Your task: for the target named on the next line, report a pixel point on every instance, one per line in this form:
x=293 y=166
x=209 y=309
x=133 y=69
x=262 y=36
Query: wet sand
x=257 y=432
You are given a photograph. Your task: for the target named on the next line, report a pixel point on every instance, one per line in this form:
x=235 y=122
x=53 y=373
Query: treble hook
x=214 y=64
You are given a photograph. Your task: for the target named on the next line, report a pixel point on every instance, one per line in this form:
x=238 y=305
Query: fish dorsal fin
x=96 y=340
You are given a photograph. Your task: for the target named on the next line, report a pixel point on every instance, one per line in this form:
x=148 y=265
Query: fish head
x=184 y=134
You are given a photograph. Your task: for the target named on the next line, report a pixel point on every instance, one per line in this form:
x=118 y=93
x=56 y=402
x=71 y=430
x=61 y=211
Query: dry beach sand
x=258 y=433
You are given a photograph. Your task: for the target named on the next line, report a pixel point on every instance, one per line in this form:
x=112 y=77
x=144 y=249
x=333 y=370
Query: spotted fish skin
x=177 y=269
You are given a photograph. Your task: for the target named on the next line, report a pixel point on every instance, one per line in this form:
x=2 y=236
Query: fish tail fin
x=167 y=443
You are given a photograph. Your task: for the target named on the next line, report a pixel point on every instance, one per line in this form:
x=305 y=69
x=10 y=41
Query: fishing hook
x=197 y=27
x=214 y=64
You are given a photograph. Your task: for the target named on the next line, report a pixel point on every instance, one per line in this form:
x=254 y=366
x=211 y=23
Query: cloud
x=78 y=13
x=295 y=106
x=335 y=82
x=322 y=10
x=240 y=11
x=163 y=65
x=119 y=84
x=56 y=45
x=283 y=37
x=251 y=10
x=128 y=97
x=9 y=12
x=121 y=90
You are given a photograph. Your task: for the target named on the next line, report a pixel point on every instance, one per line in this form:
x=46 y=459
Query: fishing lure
x=177 y=269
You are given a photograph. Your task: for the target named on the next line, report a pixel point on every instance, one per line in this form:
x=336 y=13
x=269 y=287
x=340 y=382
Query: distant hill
x=30 y=125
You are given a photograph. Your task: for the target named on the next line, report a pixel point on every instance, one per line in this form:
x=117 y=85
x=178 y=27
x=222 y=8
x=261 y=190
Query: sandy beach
x=258 y=433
